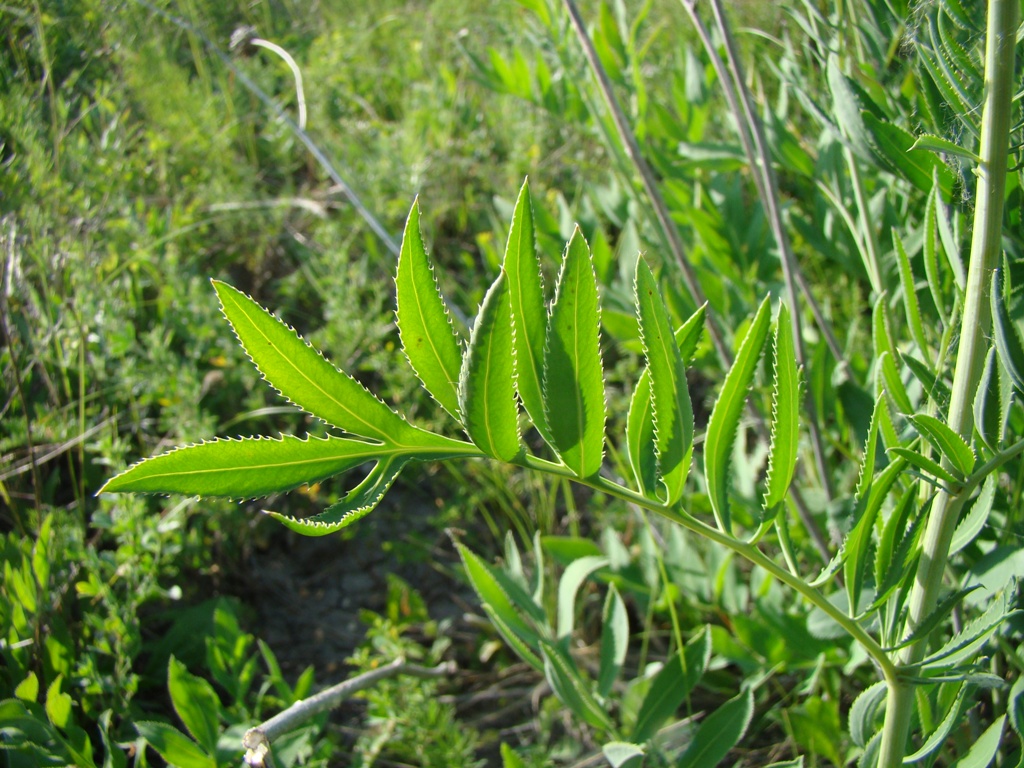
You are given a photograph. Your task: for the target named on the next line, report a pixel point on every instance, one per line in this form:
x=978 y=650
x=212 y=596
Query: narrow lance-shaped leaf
x=725 y=416
x=614 y=640
x=720 y=732
x=529 y=316
x=1008 y=341
x=910 y=303
x=573 y=374
x=946 y=441
x=670 y=399
x=487 y=396
x=426 y=330
x=640 y=445
x=244 y=468
x=302 y=375
x=785 y=413
x=356 y=504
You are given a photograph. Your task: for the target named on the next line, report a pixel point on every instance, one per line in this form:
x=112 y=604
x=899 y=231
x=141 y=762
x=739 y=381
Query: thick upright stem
x=974 y=330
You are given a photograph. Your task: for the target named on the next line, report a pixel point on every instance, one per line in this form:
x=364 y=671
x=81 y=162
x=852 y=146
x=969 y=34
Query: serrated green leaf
x=572 y=578
x=972 y=524
x=943 y=146
x=930 y=467
x=948 y=443
x=930 y=254
x=574 y=404
x=487 y=394
x=725 y=416
x=173 y=746
x=950 y=243
x=614 y=640
x=1015 y=707
x=939 y=735
x=867 y=465
x=1008 y=341
x=196 y=704
x=565 y=680
x=987 y=406
x=892 y=144
x=782 y=453
x=671 y=685
x=939 y=614
x=670 y=398
x=894 y=544
x=863 y=711
x=304 y=377
x=936 y=388
x=965 y=644
x=640 y=444
x=424 y=325
x=529 y=317
x=720 y=732
x=356 y=504
x=246 y=468
x=910 y=304
x=522 y=649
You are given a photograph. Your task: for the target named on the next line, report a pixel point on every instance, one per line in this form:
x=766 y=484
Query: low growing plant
x=550 y=361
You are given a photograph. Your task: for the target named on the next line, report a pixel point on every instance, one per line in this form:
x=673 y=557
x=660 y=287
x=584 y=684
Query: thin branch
x=257 y=741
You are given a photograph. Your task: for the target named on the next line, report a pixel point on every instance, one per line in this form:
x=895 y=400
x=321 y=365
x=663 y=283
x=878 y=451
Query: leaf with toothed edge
x=307 y=379
x=357 y=503
x=574 y=403
x=670 y=400
x=529 y=317
x=244 y=468
x=640 y=446
x=487 y=393
x=725 y=416
x=424 y=325
x=785 y=413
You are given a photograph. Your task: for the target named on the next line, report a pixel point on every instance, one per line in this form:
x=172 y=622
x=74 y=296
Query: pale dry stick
x=300 y=93
x=257 y=741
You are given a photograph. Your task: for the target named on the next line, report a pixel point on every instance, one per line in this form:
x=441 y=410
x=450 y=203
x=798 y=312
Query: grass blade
x=428 y=336
x=725 y=416
x=574 y=403
x=1008 y=341
x=487 y=396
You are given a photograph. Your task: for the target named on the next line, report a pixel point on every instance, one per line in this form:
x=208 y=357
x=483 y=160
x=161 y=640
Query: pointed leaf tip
x=574 y=404
x=428 y=337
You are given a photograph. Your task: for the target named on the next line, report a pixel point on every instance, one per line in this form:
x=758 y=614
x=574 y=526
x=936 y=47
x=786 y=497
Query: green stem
x=748 y=552
x=974 y=330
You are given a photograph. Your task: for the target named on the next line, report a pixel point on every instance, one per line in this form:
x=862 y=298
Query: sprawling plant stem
x=974 y=330
x=746 y=550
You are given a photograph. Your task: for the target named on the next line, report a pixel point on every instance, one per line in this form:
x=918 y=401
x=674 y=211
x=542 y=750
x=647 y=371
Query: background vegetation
x=139 y=161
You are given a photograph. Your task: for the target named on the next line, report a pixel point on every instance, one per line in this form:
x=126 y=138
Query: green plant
x=551 y=362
